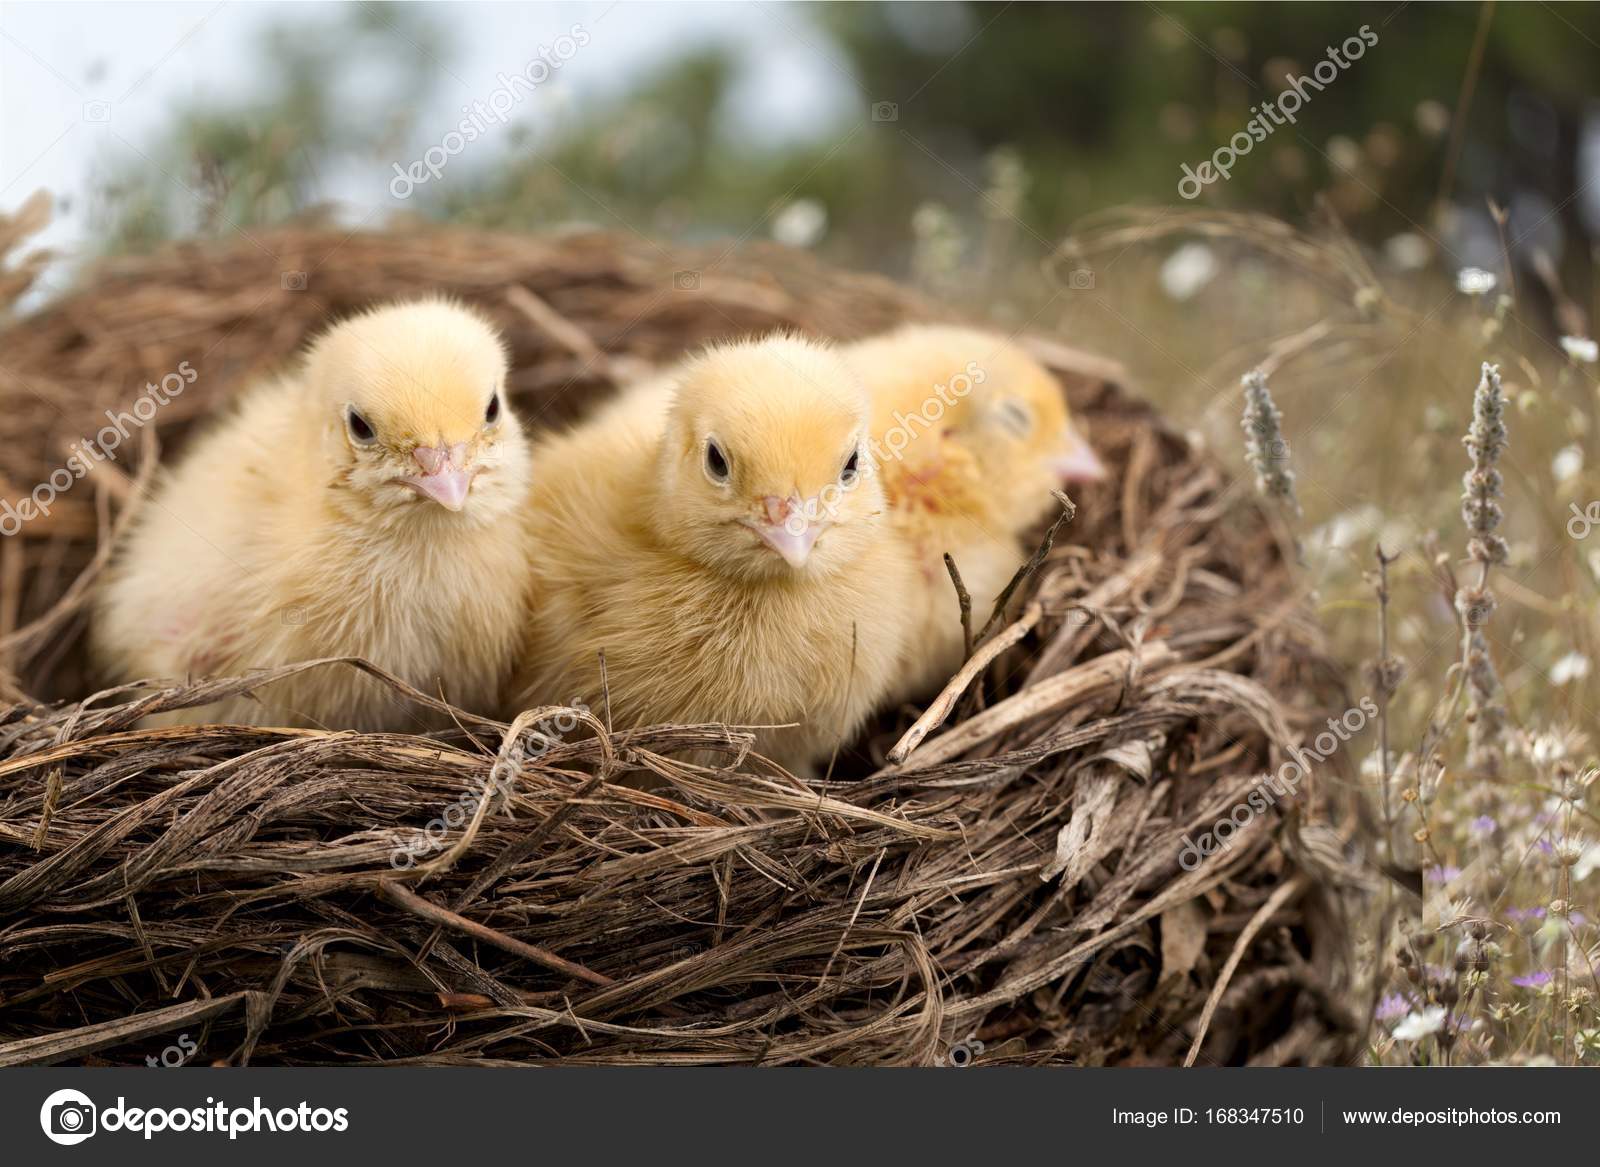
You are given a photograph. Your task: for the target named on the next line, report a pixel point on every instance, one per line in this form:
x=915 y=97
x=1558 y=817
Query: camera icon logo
x=964 y=1053
x=1081 y=279
x=68 y=1117
x=97 y=111
x=294 y=281
x=292 y=617
x=885 y=111
x=686 y=281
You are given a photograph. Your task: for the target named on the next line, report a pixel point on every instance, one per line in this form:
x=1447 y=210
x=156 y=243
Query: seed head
x=1265 y=447
x=1483 y=488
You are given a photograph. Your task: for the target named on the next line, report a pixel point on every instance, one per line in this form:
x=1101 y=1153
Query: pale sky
x=84 y=84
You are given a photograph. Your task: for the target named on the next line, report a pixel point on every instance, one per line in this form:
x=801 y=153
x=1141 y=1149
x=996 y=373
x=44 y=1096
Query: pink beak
x=1078 y=462
x=446 y=476
x=788 y=530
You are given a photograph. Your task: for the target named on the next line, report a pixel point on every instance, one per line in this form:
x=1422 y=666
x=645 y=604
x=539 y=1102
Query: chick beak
x=785 y=527
x=1078 y=462
x=446 y=474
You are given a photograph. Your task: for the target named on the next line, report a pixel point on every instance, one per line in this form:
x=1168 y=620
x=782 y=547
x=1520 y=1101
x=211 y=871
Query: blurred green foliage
x=1096 y=105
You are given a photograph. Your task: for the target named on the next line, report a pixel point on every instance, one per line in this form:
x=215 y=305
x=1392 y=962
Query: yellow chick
x=971 y=434
x=720 y=536
x=368 y=504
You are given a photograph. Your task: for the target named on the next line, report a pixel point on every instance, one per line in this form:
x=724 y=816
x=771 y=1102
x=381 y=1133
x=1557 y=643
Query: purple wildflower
x=1443 y=873
x=1392 y=1006
x=1484 y=825
x=1536 y=980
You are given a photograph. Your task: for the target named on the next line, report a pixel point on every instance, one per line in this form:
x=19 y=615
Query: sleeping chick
x=971 y=435
x=721 y=537
x=368 y=505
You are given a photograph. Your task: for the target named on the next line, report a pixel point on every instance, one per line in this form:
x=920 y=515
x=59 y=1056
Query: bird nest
x=1015 y=890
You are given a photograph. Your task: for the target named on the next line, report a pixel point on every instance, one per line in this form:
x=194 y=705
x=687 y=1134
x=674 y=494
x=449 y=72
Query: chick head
x=764 y=468
x=412 y=405
x=998 y=433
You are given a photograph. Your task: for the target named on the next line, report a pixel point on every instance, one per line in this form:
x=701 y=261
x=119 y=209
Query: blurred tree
x=1107 y=101
x=332 y=95
x=1095 y=105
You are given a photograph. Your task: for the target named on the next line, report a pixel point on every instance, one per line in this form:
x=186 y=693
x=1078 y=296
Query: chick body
x=365 y=505
x=972 y=435
x=760 y=597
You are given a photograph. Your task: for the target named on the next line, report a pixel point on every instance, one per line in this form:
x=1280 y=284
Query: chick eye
x=360 y=429
x=1016 y=417
x=492 y=414
x=716 y=462
x=852 y=469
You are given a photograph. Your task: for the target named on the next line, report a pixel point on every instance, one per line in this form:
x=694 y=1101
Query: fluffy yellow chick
x=720 y=535
x=971 y=434
x=367 y=504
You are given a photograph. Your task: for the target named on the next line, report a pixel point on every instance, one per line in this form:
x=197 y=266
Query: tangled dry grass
x=1014 y=881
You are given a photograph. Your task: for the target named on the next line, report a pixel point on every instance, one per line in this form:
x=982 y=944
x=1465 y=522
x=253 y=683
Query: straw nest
x=1010 y=892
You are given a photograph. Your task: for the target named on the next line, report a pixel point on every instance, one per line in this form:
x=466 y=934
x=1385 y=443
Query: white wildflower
x=1581 y=349
x=1414 y=1026
x=1348 y=528
x=1372 y=764
x=1187 y=270
x=1344 y=154
x=801 y=223
x=1568 y=463
x=1432 y=118
x=1407 y=251
x=1586 y=1043
x=1572 y=667
x=1546 y=750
